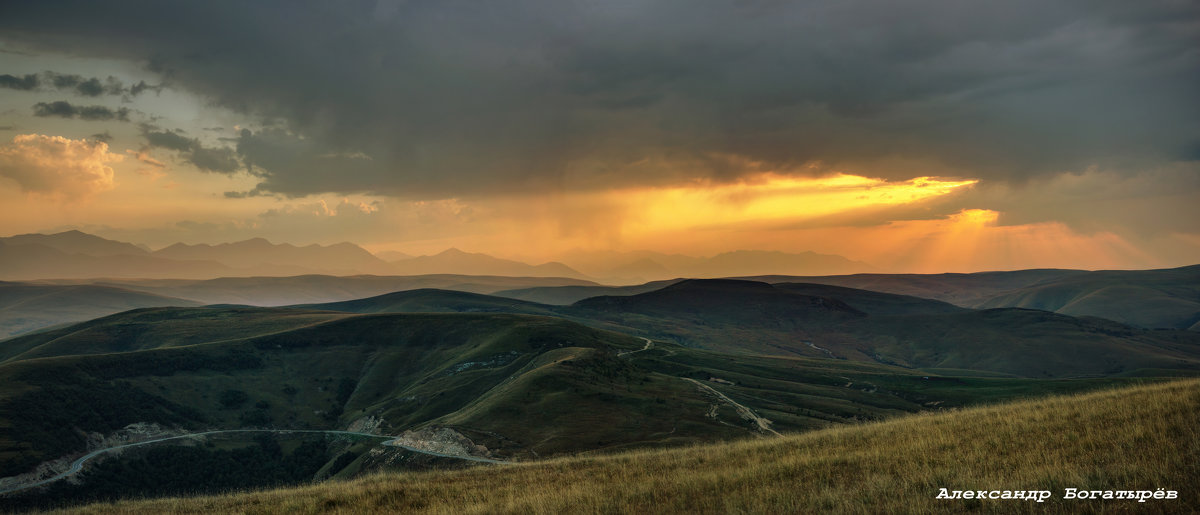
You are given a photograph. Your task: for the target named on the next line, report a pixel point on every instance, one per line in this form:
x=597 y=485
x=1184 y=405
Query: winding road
x=746 y=413
x=77 y=465
x=647 y=347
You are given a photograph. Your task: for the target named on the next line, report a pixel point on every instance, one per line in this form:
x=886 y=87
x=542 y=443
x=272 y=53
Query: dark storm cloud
x=64 y=109
x=24 y=83
x=212 y=159
x=78 y=84
x=85 y=86
x=142 y=87
x=167 y=139
x=424 y=98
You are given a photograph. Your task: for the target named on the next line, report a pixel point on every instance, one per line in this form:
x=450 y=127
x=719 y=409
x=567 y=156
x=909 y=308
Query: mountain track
x=77 y=465
x=763 y=424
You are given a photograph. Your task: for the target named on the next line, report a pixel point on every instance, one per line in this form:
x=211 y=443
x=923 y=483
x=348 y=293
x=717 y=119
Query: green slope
x=523 y=386
x=1140 y=438
x=566 y=295
x=152 y=328
x=26 y=307
x=872 y=302
x=758 y=318
x=1145 y=298
x=427 y=300
x=309 y=289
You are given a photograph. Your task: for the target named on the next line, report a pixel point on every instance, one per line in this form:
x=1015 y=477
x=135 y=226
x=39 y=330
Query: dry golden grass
x=1139 y=438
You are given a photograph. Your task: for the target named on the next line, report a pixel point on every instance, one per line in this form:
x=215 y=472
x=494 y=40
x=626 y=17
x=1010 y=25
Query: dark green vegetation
x=565 y=295
x=26 y=307
x=261 y=461
x=487 y=375
x=1167 y=298
x=307 y=289
x=1140 y=438
x=427 y=300
x=753 y=317
x=789 y=319
x=966 y=290
x=731 y=358
x=871 y=302
x=1153 y=299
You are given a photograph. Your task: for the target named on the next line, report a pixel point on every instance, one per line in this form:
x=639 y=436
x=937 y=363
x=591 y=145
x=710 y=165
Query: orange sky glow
x=892 y=225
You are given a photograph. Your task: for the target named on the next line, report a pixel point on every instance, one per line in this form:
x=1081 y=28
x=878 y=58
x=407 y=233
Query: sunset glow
x=771 y=198
x=528 y=146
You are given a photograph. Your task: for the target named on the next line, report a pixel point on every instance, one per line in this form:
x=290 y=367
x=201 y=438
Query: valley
x=742 y=257
x=695 y=361
x=318 y=377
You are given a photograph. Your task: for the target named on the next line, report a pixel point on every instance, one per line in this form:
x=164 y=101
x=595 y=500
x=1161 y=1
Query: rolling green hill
x=758 y=318
x=157 y=328
x=485 y=376
x=747 y=317
x=1141 y=438
x=26 y=307
x=427 y=300
x=1146 y=298
x=566 y=295
x=311 y=289
x=966 y=290
x=872 y=302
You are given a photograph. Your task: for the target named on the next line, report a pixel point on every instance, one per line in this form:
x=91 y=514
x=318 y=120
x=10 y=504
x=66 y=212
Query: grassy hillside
x=966 y=290
x=872 y=302
x=26 y=307
x=311 y=289
x=1138 y=438
x=758 y=318
x=1145 y=298
x=566 y=295
x=1028 y=343
x=156 y=328
x=485 y=376
x=267 y=368
x=426 y=300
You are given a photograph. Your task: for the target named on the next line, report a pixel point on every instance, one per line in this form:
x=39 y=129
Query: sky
x=917 y=136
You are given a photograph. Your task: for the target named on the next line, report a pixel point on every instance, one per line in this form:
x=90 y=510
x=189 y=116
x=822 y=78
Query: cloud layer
x=434 y=99
x=57 y=167
x=63 y=109
x=78 y=84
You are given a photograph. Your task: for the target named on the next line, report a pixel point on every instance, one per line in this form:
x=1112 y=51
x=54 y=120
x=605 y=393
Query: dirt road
x=77 y=465
x=746 y=413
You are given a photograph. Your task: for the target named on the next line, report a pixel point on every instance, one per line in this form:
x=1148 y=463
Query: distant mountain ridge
x=40 y=261
x=1168 y=298
x=76 y=242
x=28 y=307
x=342 y=257
x=76 y=255
x=643 y=266
x=454 y=261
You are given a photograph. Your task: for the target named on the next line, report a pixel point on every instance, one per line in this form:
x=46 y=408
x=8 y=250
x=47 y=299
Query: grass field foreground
x=1136 y=438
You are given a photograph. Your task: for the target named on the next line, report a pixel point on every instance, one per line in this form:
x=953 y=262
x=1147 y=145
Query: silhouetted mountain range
x=454 y=261
x=344 y=258
x=74 y=255
x=642 y=266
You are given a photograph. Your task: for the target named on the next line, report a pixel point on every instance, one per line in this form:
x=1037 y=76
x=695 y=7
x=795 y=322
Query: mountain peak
x=76 y=242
